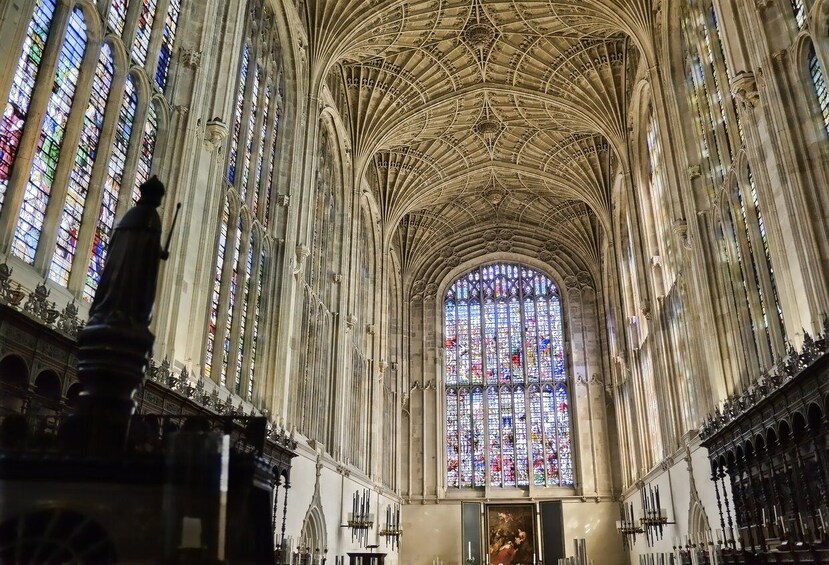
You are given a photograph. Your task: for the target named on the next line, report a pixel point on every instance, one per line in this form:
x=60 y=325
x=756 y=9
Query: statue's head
x=151 y=193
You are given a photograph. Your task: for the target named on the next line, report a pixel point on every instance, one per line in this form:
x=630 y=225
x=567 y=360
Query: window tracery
x=81 y=175
x=42 y=176
x=231 y=355
x=721 y=142
x=507 y=397
x=26 y=74
x=819 y=83
x=85 y=77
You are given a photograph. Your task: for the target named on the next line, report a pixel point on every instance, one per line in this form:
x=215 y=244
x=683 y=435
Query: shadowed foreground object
x=115 y=345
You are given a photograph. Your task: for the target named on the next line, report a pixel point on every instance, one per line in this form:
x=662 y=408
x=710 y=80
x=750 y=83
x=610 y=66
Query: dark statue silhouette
x=115 y=345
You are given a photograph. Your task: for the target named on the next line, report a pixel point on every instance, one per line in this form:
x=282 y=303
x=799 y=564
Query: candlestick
x=822 y=525
x=469 y=550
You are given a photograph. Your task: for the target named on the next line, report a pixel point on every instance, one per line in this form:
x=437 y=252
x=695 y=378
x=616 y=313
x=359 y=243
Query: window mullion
x=35 y=114
x=66 y=161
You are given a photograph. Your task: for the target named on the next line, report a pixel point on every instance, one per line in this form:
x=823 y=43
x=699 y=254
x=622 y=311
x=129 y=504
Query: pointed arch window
x=117 y=16
x=167 y=40
x=148 y=141
x=141 y=43
x=507 y=397
x=819 y=83
x=112 y=187
x=66 y=172
x=44 y=166
x=81 y=174
x=240 y=278
x=800 y=13
x=17 y=108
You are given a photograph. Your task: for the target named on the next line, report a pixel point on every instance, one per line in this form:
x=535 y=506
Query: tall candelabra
x=655 y=517
x=392 y=530
x=360 y=519
x=627 y=525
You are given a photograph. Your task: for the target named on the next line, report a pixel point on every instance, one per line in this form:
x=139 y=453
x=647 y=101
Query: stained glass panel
x=237 y=123
x=800 y=13
x=819 y=82
x=452 y=453
x=45 y=162
x=259 y=282
x=478 y=462
x=244 y=314
x=117 y=15
x=234 y=287
x=167 y=40
x=503 y=328
x=217 y=288
x=112 y=187
x=251 y=135
x=145 y=159
x=465 y=437
x=260 y=158
x=143 y=30
x=28 y=66
x=81 y=174
x=272 y=167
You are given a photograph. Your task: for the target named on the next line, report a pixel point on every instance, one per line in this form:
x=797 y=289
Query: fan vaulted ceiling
x=473 y=114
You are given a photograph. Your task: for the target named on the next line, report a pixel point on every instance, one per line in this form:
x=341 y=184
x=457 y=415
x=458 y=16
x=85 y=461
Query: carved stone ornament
x=645 y=307
x=301 y=253
x=744 y=87
x=680 y=231
x=215 y=131
x=283 y=200
x=190 y=58
x=694 y=172
x=350 y=321
x=337 y=278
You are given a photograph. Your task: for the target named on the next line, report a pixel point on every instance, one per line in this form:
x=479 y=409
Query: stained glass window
x=246 y=289
x=42 y=175
x=167 y=39
x=143 y=29
x=251 y=135
x=112 y=187
x=237 y=123
x=232 y=293
x=145 y=159
x=272 y=167
x=81 y=174
x=15 y=112
x=117 y=15
x=262 y=149
x=259 y=282
x=819 y=82
x=800 y=13
x=217 y=287
x=507 y=403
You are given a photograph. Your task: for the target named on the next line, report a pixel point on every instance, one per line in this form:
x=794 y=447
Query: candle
x=469 y=550
x=822 y=525
x=763 y=513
